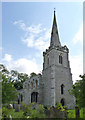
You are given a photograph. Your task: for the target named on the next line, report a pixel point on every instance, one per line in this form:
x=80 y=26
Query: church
x=52 y=86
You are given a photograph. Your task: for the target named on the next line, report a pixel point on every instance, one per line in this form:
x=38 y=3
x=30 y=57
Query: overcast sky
x=26 y=32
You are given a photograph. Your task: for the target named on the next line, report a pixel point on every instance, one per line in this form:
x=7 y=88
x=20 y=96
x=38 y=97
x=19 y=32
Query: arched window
x=48 y=60
x=62 y=89
x=60 y=59
x=34 y=97
x=62 y=102
x=32 y=84
x=36 y=83
x=21 y=97
x=28 y=86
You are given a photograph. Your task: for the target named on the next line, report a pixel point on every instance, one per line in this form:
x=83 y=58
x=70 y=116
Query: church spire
x=54 y=35
x=54 y=21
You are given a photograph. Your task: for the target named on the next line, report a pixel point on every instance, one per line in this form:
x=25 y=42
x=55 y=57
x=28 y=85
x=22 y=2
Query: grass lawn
x=0 y=113
x=71 y=114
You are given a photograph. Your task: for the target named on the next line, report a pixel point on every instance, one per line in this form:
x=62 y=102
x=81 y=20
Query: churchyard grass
x=0 y=113
x=71 y=114
x=81 y=114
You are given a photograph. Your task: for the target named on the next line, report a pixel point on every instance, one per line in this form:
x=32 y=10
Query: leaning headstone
x=10 y=106
x=17 y=107
x=77 y=112
x=56 y=113
x=47 y=112
x=13 y=106
x=52 y=113
x=10 y=117
x=66 y=112
x=18 y=99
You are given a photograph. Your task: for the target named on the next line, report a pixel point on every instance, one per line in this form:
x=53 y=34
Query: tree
x=11 y=82
x=79 y=92
x=9 y=93
x=4 y=70
x=20 y=79
x=32 y=74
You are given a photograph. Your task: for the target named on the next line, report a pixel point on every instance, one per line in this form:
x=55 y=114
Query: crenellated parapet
x=60 y=48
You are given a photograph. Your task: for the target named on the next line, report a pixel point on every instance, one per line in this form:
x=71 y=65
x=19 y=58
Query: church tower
x=57 y=77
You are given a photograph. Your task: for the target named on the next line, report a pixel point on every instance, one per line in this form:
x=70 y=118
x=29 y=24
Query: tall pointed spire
x=54 y=35
x=54 y=21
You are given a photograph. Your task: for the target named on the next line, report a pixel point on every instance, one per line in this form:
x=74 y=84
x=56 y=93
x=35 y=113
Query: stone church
x=56 y=79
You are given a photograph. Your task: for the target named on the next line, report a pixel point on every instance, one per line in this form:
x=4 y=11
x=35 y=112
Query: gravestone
x=56 y=113
x=77 y=112
x=17 y=107
x=10 y=106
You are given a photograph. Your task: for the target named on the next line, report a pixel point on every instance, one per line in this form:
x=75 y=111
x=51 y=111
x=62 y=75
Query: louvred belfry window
x=62 y=89
x=60 y=59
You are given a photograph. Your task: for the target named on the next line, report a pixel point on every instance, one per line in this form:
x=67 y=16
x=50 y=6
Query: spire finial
x=54 y=10
x=54 y=18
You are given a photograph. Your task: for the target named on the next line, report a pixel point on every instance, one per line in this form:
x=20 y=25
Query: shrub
x=34 y=110
x=5 y=112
